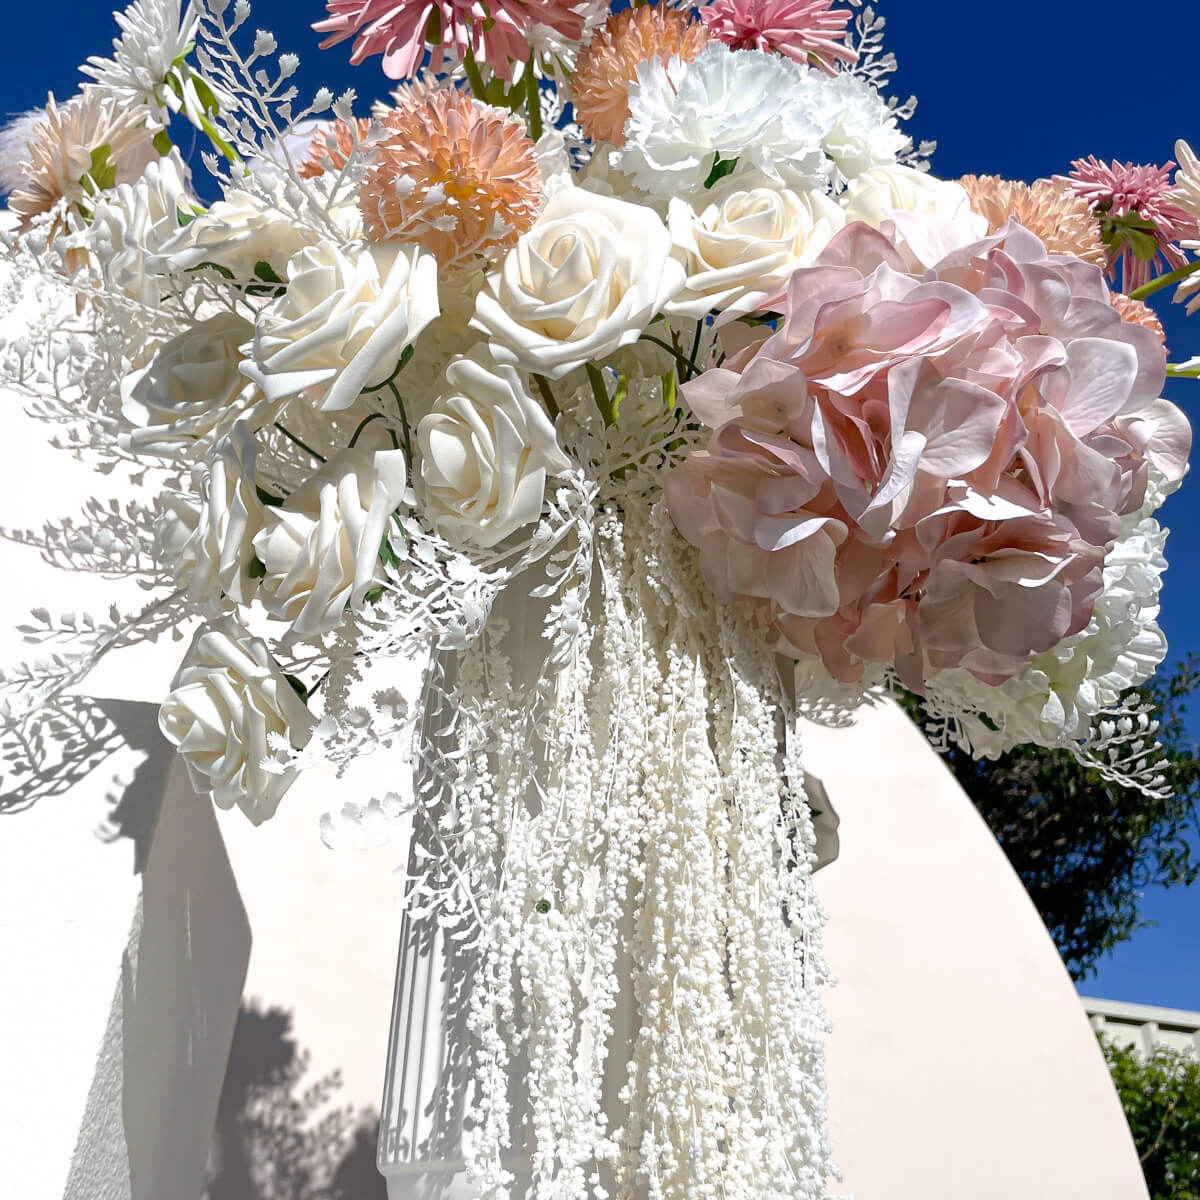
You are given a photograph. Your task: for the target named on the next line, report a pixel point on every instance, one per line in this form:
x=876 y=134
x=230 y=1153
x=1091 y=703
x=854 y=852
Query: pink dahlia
x=1137 y=213
x=496 y=34
x=928 y=471
x=809 y=31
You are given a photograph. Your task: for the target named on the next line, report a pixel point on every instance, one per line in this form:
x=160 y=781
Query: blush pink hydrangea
x=927 y=471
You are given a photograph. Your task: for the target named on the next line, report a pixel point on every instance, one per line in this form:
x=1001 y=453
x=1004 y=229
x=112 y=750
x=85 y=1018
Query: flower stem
x=600 y=392
x=1164 y=281
x=533 y=102
x=543 y=386
x=474 y=76
x=672 y=350
x=408 y=453
x=1176 y=371
x=287 y=433
x=362 y=425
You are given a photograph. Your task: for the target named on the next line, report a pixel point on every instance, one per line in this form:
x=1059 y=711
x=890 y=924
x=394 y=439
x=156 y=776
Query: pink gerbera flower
x=496 y=33
x=1139 y=220
x=809 y=31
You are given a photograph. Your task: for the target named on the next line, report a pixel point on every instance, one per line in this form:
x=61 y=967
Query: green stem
x=287 y=433
x=474 y=76
x=408 y=451
x=683 y=362
x=543 y=386
x=600 y=392
x=361 y=426
x=1165 y=281
x=695 y=348
x=1176 y=372
x=533 y=102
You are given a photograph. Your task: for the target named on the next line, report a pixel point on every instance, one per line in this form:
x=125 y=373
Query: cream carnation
x=217 y=556
x=343 y=322
x=321 y=547
x=583 y=282
x=740 y=253
x=226 y=702
x=191 y=391
x=860 y=131
x=486 y=450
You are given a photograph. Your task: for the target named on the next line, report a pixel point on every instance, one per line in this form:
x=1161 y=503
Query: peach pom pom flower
x=331 y=148
x=1062 y=220
x=608 y=65
x=457 y=177
x=496 y=34
x=810 y=31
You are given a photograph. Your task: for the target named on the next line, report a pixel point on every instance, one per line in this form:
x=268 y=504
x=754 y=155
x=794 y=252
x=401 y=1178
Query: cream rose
x=237 y=233
x=486 y=450
x=227 y=699
x=583 y=282
x=343 y=322
x=321 y=546
x=925 y=217
x=217 y=556
x=740 y=252
x=191 y=390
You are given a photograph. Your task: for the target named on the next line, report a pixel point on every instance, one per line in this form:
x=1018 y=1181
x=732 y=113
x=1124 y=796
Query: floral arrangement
x=634 y=375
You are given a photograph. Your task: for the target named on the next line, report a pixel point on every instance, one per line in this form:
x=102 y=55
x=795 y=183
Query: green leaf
x=265 y=497
x=258 y=568
x=720 y=168
x=162 y=142
x=543 y=907
x=102 y=172
x=387 y=555
x=265 y=272
x=373 y=595
x=297 y=687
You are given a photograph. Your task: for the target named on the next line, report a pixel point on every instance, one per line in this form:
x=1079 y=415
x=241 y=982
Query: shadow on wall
x=280 y=1136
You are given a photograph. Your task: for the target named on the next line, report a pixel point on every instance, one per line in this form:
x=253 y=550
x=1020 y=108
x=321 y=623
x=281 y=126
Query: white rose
x=879 y=192
x=582 y=283
x=191 y=390
x=216 y=558
x=740 y=252
x=321 y=546
x=924 y=217
x=486 y=450
x=131 y=225
x=343 y=322
x=237 y=233
x=228 y=697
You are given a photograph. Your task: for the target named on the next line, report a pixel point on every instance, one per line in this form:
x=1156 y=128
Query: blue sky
x=1015 y=90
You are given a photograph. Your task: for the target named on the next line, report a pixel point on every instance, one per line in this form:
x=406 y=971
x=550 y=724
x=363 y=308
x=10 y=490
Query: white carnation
x=583 y=282
x=343 y=322
x=227 y=700
x=321 y=547
x=766 y=111
x=740 y=252
x=860 y=131
x=486 y=450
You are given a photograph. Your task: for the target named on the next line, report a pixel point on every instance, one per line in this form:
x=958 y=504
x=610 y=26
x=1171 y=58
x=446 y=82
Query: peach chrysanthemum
x=90 y=143
x=332 y=147
x=607 y=67
x=1063 y=221
x=457 y=177
x=1137 y=313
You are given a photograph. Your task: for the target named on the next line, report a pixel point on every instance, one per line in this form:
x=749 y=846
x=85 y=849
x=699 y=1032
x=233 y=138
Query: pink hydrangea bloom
x=1139 y=219
x=928 y=470
x=496 y=33
x=809 y=31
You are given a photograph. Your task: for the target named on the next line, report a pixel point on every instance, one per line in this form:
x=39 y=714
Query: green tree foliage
x=1161 y=1098
x=1084 y=847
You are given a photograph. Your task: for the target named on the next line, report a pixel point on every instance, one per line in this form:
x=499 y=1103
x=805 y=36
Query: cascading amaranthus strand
x=646 y=861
